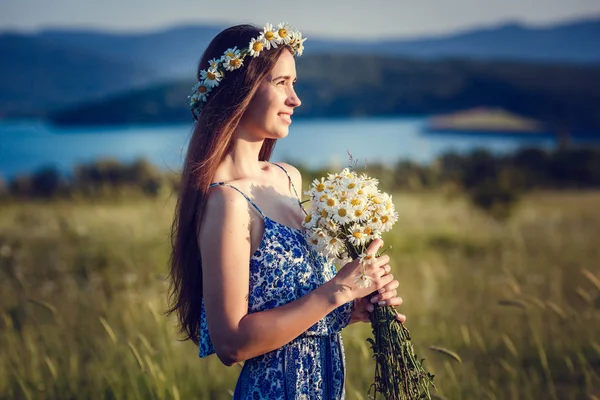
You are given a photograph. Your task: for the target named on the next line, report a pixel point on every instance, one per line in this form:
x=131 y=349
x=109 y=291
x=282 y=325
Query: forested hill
x=53 y=69
x=561 y=96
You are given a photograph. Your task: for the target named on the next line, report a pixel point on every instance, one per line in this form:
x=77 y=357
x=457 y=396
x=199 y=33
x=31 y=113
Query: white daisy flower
x=374 y=223
x=255 y=47
x=201 y=91
x=366 y=259
x=363 y=281
x=319 y=186
x=283 y=34
x=331 y=226
x=214 y=63
x=357 y=236
x=334 y=247
x=388 y=220
x=351 y=186
x=321 y=237
x=231 y=53
x=232 y=59
x=330 y=204
x=231 y=64
x=268 y=37
x=211 y=77
x=342 y=215
x=310 y=221
x=297 y=43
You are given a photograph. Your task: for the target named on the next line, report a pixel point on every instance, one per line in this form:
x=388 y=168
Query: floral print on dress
x=312 y=366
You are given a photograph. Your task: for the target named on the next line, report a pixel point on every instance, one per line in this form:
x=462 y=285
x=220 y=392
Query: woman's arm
x=225 y=246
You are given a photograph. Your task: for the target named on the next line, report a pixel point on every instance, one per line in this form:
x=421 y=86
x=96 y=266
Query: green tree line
x=493 y=182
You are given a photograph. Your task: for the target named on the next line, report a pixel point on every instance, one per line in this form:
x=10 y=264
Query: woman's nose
x=293 y=99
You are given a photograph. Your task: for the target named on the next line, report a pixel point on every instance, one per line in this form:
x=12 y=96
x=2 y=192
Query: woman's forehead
x=285 y=65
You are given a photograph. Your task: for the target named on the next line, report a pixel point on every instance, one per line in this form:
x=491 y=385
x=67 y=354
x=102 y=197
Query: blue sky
x=348 y=19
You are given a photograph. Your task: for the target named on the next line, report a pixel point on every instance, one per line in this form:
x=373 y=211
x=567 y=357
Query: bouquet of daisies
x=347 y=213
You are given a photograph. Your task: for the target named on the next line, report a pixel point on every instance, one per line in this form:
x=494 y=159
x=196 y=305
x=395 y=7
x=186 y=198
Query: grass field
x=83 y=287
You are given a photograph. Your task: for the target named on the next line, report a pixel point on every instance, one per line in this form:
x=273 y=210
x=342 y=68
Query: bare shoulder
x=294 y=174
x=224 y=206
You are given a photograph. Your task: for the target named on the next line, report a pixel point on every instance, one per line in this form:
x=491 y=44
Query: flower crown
x=233 y=59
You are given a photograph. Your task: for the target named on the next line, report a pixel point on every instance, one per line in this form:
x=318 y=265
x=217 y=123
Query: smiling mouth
x=286 y=117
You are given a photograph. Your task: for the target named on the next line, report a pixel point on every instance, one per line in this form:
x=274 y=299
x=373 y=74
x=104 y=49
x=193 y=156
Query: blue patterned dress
x=312 y=366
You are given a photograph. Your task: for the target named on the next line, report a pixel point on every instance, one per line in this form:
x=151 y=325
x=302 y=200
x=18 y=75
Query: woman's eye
x=281 y=83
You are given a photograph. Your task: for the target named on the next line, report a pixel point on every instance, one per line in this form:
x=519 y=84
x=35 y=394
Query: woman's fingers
x=390 y=286
x=401 y=317
x=387 y=299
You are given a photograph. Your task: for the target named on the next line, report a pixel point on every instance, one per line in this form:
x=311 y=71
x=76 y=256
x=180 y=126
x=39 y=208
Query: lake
x=28 y=145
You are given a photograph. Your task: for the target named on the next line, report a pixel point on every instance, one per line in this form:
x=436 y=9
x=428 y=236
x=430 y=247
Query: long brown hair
x=211 y=140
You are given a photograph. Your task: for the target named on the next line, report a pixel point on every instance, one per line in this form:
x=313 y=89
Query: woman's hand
x=348 y=279
x=386 y=295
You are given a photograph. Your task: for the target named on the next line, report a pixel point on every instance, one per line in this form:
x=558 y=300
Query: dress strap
x=290 y=178
x=242 y=193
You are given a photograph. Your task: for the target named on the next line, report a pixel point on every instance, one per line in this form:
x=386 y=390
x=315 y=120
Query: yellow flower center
x=333 y=241
x=235 y=62
x=269 y=35
x=343 y=198
x=230 y=54
x=324 y=213
x=342 y=212
x=210 y=76
x=351 y=185
x=375 y=220
x=282 y=33
x=358 y=213
x=360 y=191
x=202 y=89
x=320 y=187
x=331 y=202
x=308 y=218
x=368 y=231
x=315 y=241
x=355 y=202
x=384 y=219
x=357 y=234
x=257 y=46
x=376 y=200
x=323 y=197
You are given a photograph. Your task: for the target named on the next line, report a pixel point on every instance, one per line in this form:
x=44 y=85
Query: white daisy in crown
x=283 y=33
x=267 y=36
x=255 y=47
x=211 y=77
x=297 y=42
x=201 y=91
x=214 y=63
x=233 y=58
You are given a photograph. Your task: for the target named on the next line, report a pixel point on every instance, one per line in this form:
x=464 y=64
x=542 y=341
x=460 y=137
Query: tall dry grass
x=499 y=310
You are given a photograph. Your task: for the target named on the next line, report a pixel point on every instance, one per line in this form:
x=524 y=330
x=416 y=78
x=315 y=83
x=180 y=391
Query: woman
x=245 y=283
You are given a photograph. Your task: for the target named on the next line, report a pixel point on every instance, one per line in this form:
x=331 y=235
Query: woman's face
x=269 y=113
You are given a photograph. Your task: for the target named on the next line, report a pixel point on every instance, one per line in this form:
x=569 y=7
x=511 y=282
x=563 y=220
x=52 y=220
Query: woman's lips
x=286 y=117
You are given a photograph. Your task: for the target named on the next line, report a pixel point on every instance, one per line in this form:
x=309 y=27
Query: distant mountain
x=174 y=53
x=561 y=96
x=65 y=66
x=170 y=53
x=37 y=75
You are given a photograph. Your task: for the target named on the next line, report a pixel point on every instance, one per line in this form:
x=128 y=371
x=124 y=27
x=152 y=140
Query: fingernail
x=382 y=290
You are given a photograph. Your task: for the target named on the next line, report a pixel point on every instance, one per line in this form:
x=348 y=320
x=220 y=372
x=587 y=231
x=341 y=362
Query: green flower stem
x=399 y=374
